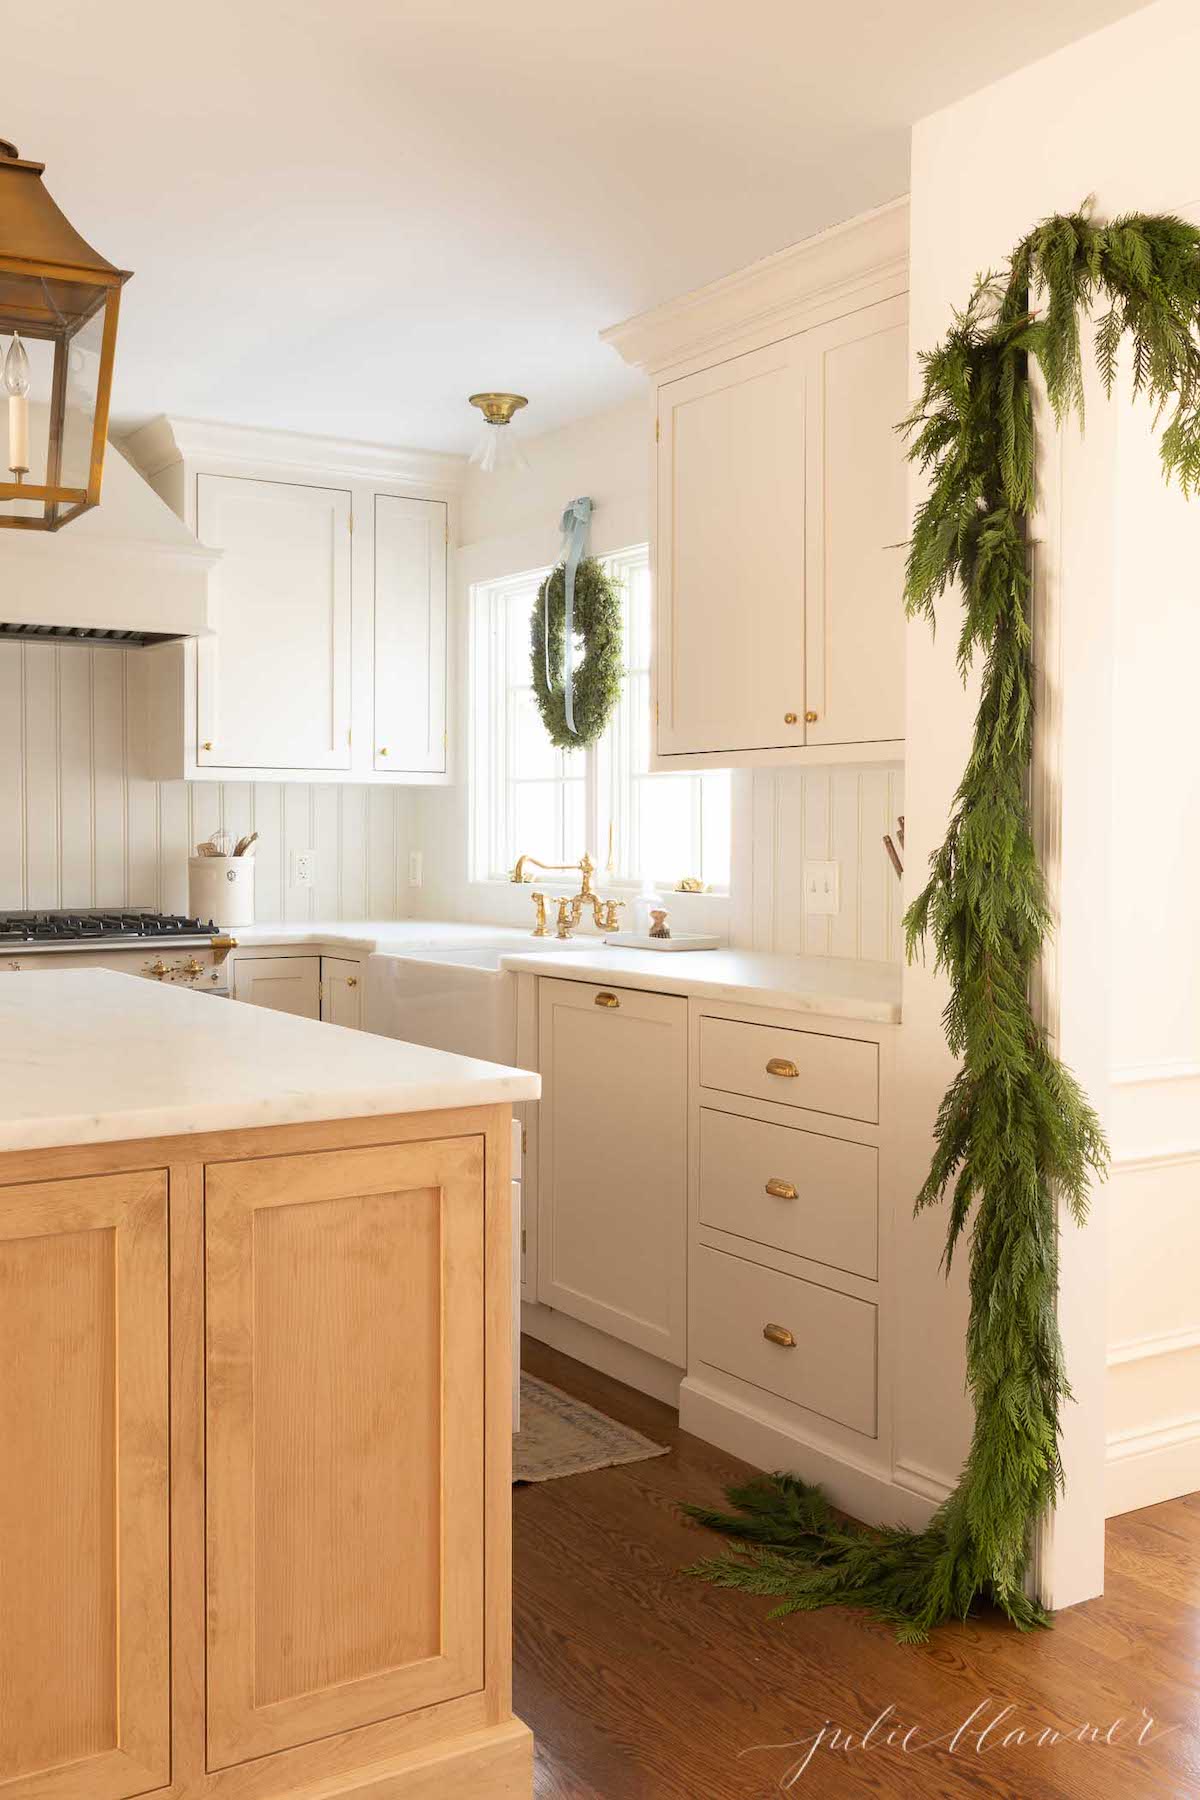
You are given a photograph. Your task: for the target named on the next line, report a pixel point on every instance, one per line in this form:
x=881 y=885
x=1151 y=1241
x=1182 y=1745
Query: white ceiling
x=344 y=218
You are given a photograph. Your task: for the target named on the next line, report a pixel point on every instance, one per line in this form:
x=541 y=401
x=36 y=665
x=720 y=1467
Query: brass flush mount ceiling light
x=58 y=341
x=496 y=449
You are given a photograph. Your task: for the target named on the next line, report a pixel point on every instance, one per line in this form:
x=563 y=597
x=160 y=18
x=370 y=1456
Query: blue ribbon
x=575 y=524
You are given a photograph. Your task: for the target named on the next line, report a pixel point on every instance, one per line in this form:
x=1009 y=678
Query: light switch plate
x=821 y=888
x=303 y=870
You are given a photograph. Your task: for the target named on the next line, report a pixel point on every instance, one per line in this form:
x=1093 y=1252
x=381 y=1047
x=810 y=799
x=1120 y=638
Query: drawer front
x=794 y=1068
x=829 y=1367
x=795 y=1190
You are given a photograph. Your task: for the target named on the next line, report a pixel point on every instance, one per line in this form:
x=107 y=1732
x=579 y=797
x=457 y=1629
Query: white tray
x=635 y=940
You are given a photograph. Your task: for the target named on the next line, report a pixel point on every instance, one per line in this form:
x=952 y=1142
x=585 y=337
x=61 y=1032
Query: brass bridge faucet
x=570 y=909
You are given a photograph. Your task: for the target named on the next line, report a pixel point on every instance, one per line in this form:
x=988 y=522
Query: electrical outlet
x=821 y=887
x=416 y=867
x=303 y=872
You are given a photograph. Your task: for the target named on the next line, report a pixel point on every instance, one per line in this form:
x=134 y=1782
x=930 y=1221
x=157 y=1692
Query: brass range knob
x=193 y=967
x=157 y=969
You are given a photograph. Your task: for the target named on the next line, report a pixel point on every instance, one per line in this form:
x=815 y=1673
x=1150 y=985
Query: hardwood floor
x=642 y=1684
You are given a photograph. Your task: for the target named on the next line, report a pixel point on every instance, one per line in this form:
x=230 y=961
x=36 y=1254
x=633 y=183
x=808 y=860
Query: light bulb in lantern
x=16 y=383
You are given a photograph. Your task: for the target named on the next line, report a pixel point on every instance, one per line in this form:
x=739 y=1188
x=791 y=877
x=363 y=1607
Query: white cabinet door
x=341 y=992
x=290 y=984
x=612 y=1234
x=410 y=635
x=729 y=663
x=856 y=390
x=273 y=684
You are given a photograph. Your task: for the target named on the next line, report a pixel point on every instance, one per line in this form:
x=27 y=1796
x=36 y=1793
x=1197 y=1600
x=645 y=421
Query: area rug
x=562 y=1436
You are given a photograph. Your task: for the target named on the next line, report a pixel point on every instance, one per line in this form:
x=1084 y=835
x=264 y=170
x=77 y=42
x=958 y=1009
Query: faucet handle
x=611 y=909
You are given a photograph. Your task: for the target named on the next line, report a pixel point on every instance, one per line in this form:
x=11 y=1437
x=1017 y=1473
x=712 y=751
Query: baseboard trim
x=765 y=1442
x=636 y=1368
x=1143 y=1468
x=493 y=1764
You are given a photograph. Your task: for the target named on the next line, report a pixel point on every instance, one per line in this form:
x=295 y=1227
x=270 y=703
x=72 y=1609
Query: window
x=528 y=796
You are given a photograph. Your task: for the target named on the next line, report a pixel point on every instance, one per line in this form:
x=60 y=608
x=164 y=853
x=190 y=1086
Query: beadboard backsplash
x=828 y=814
x=80 y=827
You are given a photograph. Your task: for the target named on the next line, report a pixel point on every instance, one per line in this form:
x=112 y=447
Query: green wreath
x=597 y=678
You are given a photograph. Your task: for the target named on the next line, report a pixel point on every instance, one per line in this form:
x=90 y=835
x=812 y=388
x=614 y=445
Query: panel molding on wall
x=80 y=827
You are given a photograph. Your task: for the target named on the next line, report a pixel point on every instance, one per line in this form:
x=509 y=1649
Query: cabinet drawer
x=812 y=1196
x=794 y=1068
x=828 y=1368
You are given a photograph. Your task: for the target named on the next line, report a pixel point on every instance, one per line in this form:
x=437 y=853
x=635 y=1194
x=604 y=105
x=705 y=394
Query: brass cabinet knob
x=607 y=1000
x=352 y=981
x=779 y=1065
x=207 y=744
x=812 y=717
x=782 y=1190
x=789 y=718
x=383 y=749
x=779 y=1334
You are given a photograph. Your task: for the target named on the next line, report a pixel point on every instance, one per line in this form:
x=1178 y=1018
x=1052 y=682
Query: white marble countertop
x=93 y=1057
x=830 y=985
x=833 y=986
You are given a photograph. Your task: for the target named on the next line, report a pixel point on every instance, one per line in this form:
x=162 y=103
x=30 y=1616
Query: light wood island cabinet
x=255 y=1469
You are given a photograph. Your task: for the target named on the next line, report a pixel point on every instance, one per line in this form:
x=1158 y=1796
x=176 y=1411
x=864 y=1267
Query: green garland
x=1014 y=1134
x=597 y=682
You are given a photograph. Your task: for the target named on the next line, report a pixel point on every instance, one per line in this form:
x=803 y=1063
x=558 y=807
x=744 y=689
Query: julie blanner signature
x=991 y=1726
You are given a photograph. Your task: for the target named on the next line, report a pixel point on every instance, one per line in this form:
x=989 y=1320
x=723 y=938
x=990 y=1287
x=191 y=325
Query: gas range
x=130 y=940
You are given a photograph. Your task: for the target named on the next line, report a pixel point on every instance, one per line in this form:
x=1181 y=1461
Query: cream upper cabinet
x=327 y=661
x=410 y=634
x=612 y=1190
x=730 y=562
x=273 y=683
x=857 y=500
x=781 y=511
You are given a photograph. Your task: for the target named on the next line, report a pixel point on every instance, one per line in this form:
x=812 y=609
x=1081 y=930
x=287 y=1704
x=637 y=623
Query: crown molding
x=165 y=440
x=866 y=255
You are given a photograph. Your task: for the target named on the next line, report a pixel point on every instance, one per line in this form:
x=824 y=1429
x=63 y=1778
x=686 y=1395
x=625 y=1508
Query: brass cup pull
x=779 y=1334
x=781 y=1190
x=779 y=1065
x=607 y=1000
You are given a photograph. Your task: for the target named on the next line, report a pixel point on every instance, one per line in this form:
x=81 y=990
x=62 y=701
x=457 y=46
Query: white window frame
x=611 y=787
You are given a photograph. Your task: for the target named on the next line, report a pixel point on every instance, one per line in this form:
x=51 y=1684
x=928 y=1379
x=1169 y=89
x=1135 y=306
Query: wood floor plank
x=640 y=1683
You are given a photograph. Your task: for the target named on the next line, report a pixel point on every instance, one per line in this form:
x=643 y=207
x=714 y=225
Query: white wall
x=79 y=827
x=1111 y=115
x=510 y=523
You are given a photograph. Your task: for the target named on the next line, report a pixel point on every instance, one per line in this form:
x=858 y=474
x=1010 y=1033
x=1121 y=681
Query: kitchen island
x=254 y=1405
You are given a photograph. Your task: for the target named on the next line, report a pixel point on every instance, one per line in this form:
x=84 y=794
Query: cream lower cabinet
x=342 y=992
x=290 y=984
x=612 y=1182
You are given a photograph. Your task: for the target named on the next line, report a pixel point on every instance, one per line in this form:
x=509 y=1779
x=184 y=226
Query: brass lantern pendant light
x=58 y=340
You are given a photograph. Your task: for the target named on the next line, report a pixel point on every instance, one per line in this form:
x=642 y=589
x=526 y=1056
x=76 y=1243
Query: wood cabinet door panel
x=410 y=635
x=273 y=682
x=612 y=1229
x=84 y=1553
x=345 y=1319
x=729 y=552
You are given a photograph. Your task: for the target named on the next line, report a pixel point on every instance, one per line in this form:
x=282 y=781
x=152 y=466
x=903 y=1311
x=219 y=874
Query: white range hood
x=129 y=572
